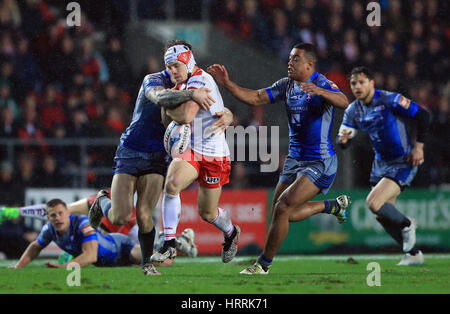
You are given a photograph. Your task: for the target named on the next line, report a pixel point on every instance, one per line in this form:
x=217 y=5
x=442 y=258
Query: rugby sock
x=393 y=230
x=146 y=241
x=223 y=222
x=34 y=211
x=171 y=209
x=331 y=207
x=391 y=214
x=264 y=261
x=105 y=205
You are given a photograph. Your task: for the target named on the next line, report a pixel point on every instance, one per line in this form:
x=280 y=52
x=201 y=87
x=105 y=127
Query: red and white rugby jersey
x=202 y=141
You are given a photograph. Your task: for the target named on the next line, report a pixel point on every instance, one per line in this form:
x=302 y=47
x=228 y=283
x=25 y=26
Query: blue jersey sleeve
x=329 y=85
x=157 y=79
x=403 y=106
x=349 y=118
x=277 y=91
x=87 y=232
x=45 y=237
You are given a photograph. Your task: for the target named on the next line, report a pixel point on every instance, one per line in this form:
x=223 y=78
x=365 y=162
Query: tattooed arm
x=170 y=99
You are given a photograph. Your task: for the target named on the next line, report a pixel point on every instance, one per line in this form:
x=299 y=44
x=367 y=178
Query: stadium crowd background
x=68 y=82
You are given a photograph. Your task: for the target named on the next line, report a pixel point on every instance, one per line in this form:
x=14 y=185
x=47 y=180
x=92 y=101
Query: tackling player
x=206 y=161
x=311 y=165
x=380 y=115
x=141 y=162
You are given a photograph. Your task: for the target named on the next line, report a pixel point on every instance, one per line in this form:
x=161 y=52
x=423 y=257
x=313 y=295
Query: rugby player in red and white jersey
x=207 y=160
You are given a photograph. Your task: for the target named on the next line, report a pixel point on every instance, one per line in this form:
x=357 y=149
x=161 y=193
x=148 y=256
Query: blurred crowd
x=60 y=82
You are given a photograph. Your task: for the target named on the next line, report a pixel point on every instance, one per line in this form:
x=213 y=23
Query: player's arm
x=170 y=98
x=422 y=120
x=224 y=119
x=345 y=135
x=421 y=117
x=185 y=113
x=249 y=96
x=347 y=130
x=88 y=257
x=335 y=98
x=30 y=254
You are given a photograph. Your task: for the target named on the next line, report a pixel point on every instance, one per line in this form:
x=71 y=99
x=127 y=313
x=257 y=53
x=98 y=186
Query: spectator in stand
x=26 y=70
x=252 y=24
x=26 y=176
x=7 y=101
x=115 y=123
x=29 y=129
x=282 y=39
x=51 y=110
x=66 y=63
x=78 y=125
x=10 y=17
x=8 y=127
x=117 y=63
x=228 y=16
x=92 y=63
x=49 y=173
x=9 y=187
x=89 y=101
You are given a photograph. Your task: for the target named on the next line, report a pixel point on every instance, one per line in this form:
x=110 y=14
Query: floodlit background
x=68 y=92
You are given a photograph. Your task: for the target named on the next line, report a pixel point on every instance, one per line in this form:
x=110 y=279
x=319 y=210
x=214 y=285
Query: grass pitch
x=208 y=275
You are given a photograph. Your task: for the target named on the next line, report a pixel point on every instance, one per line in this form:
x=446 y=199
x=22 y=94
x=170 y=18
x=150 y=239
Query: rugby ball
x=177 y=138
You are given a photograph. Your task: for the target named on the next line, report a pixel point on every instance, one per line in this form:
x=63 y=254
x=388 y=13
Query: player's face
x=177 y=71
x=299 y=67
x=59 y=217
x=361 y=86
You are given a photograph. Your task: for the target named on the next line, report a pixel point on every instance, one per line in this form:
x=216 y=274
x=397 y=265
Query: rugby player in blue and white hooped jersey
x=311 y=165
x=380 y=115
x=73 y=234
x=141 y=162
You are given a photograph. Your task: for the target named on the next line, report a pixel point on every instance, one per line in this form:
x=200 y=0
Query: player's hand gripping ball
x=177 y=138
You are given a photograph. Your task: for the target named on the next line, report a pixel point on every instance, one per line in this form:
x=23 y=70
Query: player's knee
x=145 y=222
x=372 y=203
x=119 y=219
x=281 y=209
x=207 y=216
x=172 y=187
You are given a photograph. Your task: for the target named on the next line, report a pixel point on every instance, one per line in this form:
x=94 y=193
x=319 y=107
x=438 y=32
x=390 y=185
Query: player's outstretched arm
x=30 y=254
x=249 y=96
x=170 y=98
x=336 y=99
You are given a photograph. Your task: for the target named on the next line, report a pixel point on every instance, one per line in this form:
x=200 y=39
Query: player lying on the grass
x=73 y=234
x=184 y=243
x=380 y=115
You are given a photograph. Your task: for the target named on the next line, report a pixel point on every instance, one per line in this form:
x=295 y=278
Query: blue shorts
x=398 y=170
x=138 y=164
x=118 y=254
x=321 y=172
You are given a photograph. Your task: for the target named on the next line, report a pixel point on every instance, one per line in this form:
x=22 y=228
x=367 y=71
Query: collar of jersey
x=312 y=77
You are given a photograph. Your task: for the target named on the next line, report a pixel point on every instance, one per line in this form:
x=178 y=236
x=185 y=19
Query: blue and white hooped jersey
x=146 y=131
x=80 y=231
x=310 y=117
x=382 y=121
